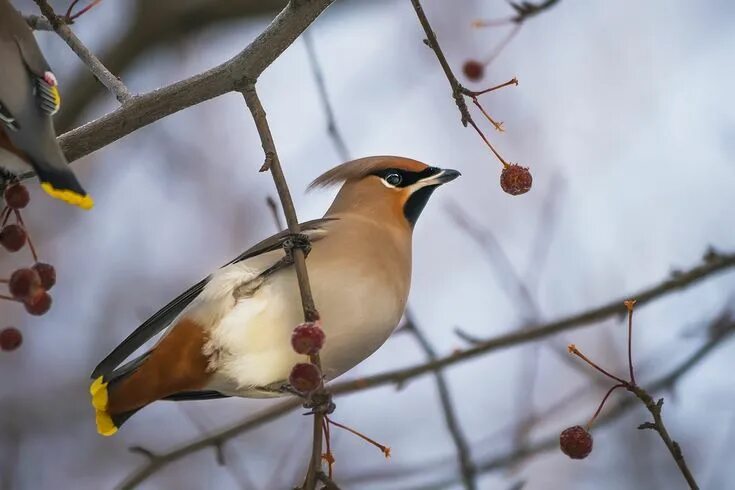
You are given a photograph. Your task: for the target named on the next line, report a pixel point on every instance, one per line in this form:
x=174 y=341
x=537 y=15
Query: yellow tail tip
x=105 y=425
x=70 y=197
x=98 y=390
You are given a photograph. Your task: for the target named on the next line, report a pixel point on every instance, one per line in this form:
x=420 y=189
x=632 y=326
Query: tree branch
x=464 y=457
x=113 y=84
x=298 y=255
x=229 y=76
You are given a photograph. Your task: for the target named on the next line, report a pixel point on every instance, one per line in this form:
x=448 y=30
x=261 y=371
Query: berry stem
x=30 y=242
x=602 y=403
x=385 y=449
x=9 y=298
x=513 y=81
x=479 y=24
x=4 y=281
x=328 y=456
x=498 y=125
x=69 y=17
x=501 y=46
x=629 y=304
x=487 y=142
x=573 y=350
x=5 y=215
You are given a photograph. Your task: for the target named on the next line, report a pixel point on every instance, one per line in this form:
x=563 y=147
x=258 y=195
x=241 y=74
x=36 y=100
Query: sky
x=622 y=114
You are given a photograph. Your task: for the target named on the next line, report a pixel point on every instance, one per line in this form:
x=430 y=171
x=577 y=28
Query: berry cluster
x=308 y=339
x=28 y=285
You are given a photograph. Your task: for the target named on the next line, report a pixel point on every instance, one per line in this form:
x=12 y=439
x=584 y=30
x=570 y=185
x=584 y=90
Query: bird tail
x=105 y=396
x=61 y=183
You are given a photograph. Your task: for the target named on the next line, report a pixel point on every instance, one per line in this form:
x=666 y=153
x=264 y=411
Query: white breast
x=251 y=343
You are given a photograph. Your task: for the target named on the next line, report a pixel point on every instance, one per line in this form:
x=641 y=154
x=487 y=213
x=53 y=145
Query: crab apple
x=47 y=273
x=307 y=338
x=10 y=339
x=38 y=303
x=576 y=442
x=473 y=70
x=16 y=196
x=515 y=179
x=13 y=237
x=305 y=377
x=23 y=282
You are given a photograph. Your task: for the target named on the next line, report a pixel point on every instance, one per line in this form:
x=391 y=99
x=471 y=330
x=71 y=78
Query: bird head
x=388 y=188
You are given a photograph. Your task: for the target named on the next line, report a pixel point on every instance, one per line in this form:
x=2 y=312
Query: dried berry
x=474 y=70
x=13 y=237
x=515 y=179
x=307 y=338
x=305 y=377
x=38 y=303
x=576 y=442
x=23 y=282
x=47 y=273
x=10 y=339
x=17 y=196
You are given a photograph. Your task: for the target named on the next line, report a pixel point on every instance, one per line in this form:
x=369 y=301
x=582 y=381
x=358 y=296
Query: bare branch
x=297 y=254
x=113 y=84
x=229 y=76
x=332 y=129
x=464 y=457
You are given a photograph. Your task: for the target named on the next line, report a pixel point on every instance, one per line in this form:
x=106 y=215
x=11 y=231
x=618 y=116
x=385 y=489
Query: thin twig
x=551 y=442
x=113 y=84
x=715 y=262
x=660 y=428
x=464 y=456
x=298 y=254
x=316 y=69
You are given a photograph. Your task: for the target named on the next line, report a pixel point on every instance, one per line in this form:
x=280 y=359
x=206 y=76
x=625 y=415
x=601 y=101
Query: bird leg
x=320 y=402
x=297 y=240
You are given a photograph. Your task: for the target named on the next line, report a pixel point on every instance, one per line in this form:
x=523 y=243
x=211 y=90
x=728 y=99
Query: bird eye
x=393 y=179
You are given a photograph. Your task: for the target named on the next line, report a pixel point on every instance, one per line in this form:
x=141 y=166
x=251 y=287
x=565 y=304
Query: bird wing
x=314 y=229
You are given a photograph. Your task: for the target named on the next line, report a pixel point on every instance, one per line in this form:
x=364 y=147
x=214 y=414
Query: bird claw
x=294 y=241
x=320 y=402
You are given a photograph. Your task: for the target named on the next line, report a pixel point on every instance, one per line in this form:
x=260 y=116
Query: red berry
x=38 y=303
x=305 y=377
x=23 y=282
x=47 y=273
x=10 y=339
x=13 y=237
x=576 y=442
x=307 y=338
x=17 y=196
x=515 y=179
x=474 y=70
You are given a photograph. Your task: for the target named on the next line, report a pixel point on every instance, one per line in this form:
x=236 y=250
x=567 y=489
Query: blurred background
x=624 y=115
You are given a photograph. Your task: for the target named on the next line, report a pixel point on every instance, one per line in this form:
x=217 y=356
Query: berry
x=305 y=377
x=10 y=339
x=23 y=283
x=47 y=273
x=38 y=303
x=576 y=442
x=474 y=70
x=13 y=237
x=17 y=196
x=515 y=179
x=307 y=338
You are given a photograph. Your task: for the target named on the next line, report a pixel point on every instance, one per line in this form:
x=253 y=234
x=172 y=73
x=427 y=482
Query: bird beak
x=442 y=177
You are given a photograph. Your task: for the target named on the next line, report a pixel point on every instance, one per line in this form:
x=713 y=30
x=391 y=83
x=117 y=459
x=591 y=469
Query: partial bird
x=229 y=334
x=29 y=97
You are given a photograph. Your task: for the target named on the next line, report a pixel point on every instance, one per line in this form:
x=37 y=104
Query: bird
x=29 y=97
x=229 y=334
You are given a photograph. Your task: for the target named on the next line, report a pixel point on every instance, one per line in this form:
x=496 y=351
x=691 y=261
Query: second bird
x=229 y=335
